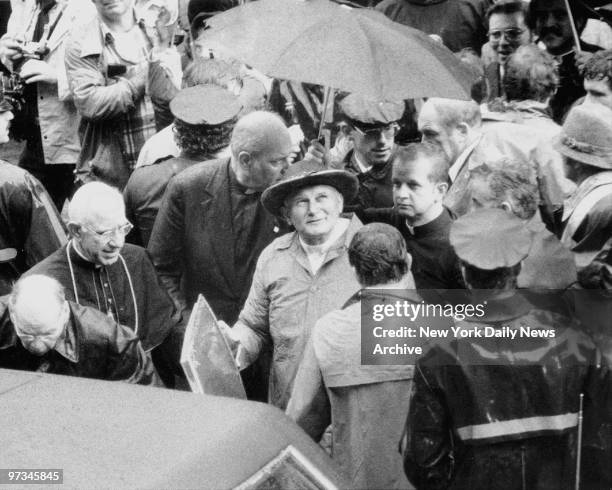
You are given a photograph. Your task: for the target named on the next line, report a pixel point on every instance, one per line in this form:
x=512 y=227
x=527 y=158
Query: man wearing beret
x=372 y=127
x=300 y=276
x=204 y=117
x=493 y=408
x=586 y=145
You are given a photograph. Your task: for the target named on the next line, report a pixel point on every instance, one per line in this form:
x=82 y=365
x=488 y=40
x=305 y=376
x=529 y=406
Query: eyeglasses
x=386 y=131
x=511 y=35
x=110 y=234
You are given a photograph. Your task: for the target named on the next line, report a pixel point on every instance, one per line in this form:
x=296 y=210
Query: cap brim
x=593 y=160
x=273 y=198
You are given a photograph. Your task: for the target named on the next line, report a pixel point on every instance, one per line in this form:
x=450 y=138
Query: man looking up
x=301 y=275
x=98 y=269
x=41 y=331
x=507 y=31
x=333 y=385
x=420 y=182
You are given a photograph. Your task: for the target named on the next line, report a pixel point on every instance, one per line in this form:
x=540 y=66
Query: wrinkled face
x=414 y=194
x=599 y=91
x=41 y=335
x=113 y=9
x=5 y=124
x=314 y=211
x=102 y=236
x=268 y=166
x=552 y=25
x=375 y=146
x=506 y=33
x=451 y=140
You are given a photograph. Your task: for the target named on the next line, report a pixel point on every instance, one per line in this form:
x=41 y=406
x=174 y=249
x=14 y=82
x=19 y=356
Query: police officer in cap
x=496 y=406
x=371 y=127
x=204 y=117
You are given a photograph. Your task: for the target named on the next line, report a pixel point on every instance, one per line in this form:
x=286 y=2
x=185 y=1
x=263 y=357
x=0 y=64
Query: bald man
x=41 y=331
x=98 y=269
x=211 y=226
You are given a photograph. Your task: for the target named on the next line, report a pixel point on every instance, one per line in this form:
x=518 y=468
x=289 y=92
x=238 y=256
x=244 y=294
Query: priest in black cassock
x=97 y=268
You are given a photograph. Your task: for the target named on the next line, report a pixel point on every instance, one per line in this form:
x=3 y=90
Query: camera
x=34 y=50
x=12 y=87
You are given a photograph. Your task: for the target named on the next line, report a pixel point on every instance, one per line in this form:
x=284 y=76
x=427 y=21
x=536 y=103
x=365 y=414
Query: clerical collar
x=424 y=227
x=74 y=247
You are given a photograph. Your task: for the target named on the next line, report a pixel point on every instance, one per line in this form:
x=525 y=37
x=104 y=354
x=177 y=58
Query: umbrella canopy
x=355 y=50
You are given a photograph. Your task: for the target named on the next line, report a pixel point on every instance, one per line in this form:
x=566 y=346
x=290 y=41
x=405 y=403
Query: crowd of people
x=157 y=168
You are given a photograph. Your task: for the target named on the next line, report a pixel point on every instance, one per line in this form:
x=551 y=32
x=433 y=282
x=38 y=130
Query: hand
x=161 y=33
x=317 y=153
x=34 y=71
x=233 y=343
x=10 y=49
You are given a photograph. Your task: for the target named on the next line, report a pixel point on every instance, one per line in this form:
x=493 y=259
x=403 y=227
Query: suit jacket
x=194 y=240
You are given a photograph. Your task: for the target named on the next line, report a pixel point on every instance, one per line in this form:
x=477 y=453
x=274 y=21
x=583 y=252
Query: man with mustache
x=551 y=24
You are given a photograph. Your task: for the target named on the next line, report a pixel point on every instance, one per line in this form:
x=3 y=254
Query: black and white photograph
x=306 y=244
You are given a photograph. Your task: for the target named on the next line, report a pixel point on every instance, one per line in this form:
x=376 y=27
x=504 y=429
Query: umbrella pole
x=574 y=30
x=326 y=99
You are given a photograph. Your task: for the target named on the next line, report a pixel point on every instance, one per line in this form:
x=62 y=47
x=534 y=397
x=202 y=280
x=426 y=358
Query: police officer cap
x=205 y=105
x=490 y=238
x=366 y=112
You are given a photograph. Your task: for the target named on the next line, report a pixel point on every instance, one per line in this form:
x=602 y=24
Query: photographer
x=115 y=64
x=33 y=50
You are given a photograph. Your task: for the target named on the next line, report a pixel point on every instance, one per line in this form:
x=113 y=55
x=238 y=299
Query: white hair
x=93 y=199
x=37 y=299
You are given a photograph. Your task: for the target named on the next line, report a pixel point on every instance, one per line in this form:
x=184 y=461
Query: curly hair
x=599 y=67
x=511 y=180
x=202 y=141
x=501 y=278
x=531 y=74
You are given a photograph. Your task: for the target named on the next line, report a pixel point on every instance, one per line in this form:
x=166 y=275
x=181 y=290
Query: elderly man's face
x=552 y=25
x=414 y=193
x=269 y=165
x=375 y=146
x=113 y=9
x=451 y=140
x=102 y=236
x=314 y=211
x=599 y=91
x=41 y=334
x=506 y=33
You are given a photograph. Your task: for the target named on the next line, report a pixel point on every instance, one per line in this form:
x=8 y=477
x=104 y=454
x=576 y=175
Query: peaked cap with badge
x=366 y=113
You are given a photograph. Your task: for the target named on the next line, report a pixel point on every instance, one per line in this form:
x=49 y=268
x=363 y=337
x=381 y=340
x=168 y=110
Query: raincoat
x=501 y=413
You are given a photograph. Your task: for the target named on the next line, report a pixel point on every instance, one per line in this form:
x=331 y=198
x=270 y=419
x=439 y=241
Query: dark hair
x=202 y=141
x=511 y=180
x=378 y=254
x=579 y=11
x=470 y=58
x=599 y=67
x=531 y=74
x=508 y=7
x=500 y=278
x=438 y=172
